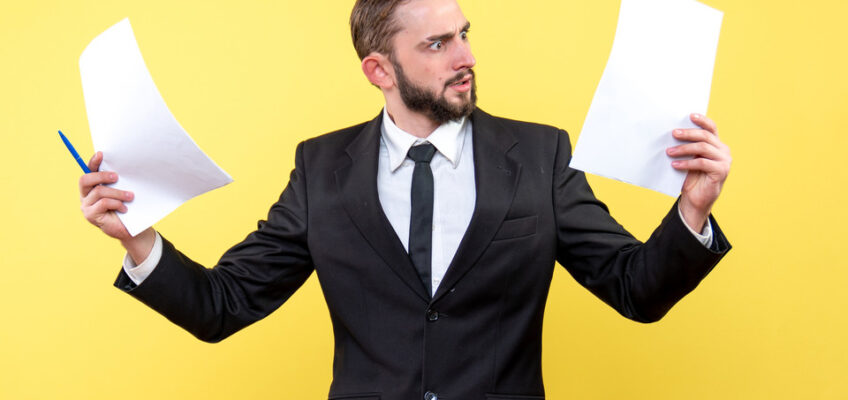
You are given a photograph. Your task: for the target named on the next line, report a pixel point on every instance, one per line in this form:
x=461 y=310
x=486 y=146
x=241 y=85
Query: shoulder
x=336 y=145
x=522 y=132
x=514 y=124
x=340 y=138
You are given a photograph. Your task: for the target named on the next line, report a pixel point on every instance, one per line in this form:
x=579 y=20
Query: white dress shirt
x=454 y=194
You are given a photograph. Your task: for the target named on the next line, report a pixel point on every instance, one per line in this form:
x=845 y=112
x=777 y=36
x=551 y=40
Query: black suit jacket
x=479 y=337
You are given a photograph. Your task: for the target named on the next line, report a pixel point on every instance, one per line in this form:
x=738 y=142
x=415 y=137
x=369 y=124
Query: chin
x=462 y=100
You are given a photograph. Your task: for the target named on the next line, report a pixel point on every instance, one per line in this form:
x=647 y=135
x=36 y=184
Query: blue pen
x=74 y=153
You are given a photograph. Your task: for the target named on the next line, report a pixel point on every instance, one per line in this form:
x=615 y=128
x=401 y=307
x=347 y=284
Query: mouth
x=463 y=84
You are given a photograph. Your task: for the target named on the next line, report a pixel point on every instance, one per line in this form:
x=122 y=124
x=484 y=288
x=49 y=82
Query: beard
x=436 y=106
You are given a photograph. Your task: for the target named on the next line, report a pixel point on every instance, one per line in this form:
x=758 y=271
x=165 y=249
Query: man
x=435 y=271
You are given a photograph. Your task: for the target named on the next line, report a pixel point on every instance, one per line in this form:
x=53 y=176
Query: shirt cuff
x=138 y=273
x=706 y=235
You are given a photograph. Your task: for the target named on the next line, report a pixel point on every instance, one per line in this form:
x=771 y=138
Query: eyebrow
x=448 y=35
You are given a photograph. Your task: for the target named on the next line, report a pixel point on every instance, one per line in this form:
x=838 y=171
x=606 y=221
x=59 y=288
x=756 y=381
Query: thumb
x=94 y=163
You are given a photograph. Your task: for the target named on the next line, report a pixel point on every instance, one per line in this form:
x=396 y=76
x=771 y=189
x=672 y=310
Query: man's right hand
x=99 y=204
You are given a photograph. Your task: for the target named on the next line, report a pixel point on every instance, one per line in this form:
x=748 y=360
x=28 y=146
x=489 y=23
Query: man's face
x=432 y=60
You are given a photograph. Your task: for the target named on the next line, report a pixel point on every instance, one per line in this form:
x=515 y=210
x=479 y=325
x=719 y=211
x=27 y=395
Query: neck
x=414 y=123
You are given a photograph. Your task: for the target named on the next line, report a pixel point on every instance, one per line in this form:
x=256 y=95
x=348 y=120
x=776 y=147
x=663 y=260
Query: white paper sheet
x=659 y=71
x=139 y=137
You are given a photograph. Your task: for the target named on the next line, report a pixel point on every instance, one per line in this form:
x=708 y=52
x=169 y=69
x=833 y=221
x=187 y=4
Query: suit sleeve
x=642 y=281
x=251 y=279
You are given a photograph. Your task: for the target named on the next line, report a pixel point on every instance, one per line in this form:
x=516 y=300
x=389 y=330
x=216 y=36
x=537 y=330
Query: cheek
x=429 y=76
x=428 y=71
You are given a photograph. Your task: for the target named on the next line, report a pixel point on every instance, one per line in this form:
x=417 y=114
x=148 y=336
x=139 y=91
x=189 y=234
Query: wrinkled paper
x=659 y=71
x=139 y=137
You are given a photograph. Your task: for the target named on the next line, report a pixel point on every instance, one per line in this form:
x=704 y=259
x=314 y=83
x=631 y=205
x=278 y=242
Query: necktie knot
x=422 y=153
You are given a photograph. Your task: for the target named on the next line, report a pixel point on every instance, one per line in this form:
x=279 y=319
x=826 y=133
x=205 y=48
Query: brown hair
x=372 y=26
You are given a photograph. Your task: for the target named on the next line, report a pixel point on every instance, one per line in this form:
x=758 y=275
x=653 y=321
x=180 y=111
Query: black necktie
x=421 y=218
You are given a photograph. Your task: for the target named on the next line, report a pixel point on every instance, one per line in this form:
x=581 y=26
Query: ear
x=378 y=69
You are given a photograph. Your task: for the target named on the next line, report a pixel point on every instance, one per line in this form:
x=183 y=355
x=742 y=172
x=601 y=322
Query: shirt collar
x=447 y=138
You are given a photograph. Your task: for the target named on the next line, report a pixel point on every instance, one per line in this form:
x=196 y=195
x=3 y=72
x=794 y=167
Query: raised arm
x=641 y=281
x=251 y=279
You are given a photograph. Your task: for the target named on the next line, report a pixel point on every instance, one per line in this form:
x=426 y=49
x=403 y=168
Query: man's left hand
x=707 y=170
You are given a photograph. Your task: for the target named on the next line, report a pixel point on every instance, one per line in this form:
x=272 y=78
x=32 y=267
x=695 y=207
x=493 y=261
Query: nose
x=463 y=57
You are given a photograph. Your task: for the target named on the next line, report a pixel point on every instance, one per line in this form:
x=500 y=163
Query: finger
x=90 y=180
x=100 y=192
x=704 y=122
x=710 y=167
x=697 y=149
x=94 y=163
x=103 y=206
x=698 y=135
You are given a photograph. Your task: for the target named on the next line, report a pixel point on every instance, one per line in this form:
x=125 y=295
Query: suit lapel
x=496 y=177
x=357 y=183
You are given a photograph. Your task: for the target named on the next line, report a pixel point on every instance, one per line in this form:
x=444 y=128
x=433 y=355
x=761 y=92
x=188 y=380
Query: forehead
x=422 y=18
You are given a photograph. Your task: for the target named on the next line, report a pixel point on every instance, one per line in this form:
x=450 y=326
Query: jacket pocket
x=492 y=396
x=355 y=396
x=517 y=228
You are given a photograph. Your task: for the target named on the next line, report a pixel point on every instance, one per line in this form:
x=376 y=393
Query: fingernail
x=675 y=163
x=113 y=176
x=676 y=132
x=128 y=195
x=696 y=116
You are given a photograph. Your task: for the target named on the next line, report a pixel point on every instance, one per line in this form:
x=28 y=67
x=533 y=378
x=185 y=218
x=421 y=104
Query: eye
x=463 y=35
x=437 y=45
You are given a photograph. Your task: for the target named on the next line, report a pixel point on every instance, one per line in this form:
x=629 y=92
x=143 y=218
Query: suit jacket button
x=431 y=396
x=432 y=315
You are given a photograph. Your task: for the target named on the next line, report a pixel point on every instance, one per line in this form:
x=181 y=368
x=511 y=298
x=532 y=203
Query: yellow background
x=248 y=80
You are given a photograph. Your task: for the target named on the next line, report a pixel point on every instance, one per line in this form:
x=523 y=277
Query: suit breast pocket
x=517 y=228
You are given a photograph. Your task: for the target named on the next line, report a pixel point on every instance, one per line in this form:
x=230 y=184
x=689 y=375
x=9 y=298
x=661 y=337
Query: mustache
x=459 y=77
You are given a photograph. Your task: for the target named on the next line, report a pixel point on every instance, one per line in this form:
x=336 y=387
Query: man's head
x=417 y=53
